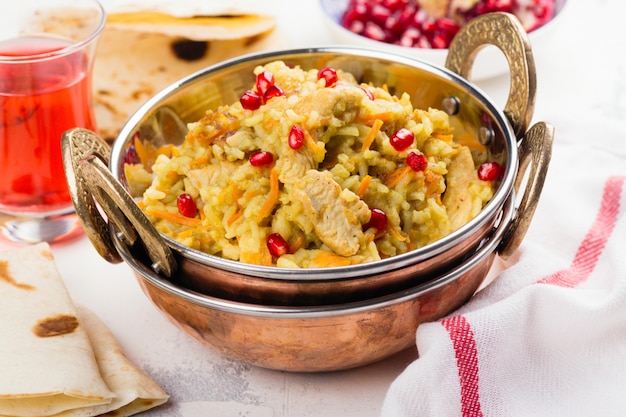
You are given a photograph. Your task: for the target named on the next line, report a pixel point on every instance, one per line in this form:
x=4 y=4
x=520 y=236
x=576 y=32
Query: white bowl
x=489 y=63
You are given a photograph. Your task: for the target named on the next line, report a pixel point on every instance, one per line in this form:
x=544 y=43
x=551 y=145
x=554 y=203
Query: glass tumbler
x=47 y=51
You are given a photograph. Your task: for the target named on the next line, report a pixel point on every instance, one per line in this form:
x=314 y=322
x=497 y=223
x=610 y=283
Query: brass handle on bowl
x=92 y=185
x=535 y=149
x=504 y=31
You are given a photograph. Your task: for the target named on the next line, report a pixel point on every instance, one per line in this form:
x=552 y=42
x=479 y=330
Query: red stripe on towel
x=466 y=354
x=594 y=242
x=585 y=260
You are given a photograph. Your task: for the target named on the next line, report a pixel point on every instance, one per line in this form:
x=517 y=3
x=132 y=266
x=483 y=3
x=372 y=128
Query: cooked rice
x=320 y=216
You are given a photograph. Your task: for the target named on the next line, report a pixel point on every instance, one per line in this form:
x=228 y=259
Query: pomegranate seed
x=395 y=4
x=393 y=23
x=261 y=158
x=130 y=156
x=271 y=92
x=380 y=14
x=490 y=171
x=264 y=81
x=186 y=206
x=407 y=16
x=277 y=245
x=409 y=37
x=296 y=137
x=423 y=43
x=417 y=161
x=402 y=139
x=356 y=26
x=329 y=75
x=439 y=41
x=378 y=220
x=355 y=12
x=375 y=32
x=250 y=100
x=448 y=25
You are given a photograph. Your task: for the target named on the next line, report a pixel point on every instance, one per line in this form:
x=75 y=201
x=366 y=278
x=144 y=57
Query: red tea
x=39 y=100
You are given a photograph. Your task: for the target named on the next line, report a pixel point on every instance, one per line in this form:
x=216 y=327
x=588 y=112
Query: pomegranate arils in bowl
x=490 y=171
x=261 y=158
x=402 y=139
x=405 y=23
x=277 y=245
x=250 y=100
x=186 y=205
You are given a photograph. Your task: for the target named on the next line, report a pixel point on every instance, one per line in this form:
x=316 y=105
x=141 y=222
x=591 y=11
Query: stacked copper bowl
x=336 y=318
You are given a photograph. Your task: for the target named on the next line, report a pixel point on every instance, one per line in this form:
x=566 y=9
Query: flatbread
x=200 y=28
x=148 y=45
x=47 y=356
x=191 y=8
x=133 y=66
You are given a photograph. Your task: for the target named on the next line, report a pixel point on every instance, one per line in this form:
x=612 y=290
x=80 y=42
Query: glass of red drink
x=46 y=56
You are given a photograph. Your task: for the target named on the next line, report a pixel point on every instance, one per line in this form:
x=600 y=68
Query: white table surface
x=584 y=73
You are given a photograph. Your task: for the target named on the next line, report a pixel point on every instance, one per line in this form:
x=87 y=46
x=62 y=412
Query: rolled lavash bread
x=57 y=359
x=147 y=45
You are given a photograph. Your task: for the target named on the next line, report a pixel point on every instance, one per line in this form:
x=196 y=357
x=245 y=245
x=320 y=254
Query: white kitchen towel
x=548 y=336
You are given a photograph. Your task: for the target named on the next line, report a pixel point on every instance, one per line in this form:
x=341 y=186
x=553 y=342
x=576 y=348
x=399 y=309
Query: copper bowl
x=326 y=318
x=317 y=338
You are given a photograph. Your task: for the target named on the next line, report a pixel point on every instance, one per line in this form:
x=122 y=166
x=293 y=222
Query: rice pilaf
x=348 y=192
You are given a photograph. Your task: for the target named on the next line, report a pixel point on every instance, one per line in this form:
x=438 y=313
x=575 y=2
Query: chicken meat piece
x=203 y=178
x=337 y=215
x=457 y=199
x=293 y=165
x=329 y=102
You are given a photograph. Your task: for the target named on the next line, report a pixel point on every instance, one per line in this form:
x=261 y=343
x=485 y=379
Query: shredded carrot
x=310 y=141
x=199 y=161
x=266 y=257
x=230 y=194
x=432 y=183
x=237 y=193
x=272 y=198
x=471 y=141
x=328 y=259
x=297 y=244
x=174 y=217
x=397 y=234
x=147 y=153
x=371 y=135
x=365 y=182
x=232 y=219
x=371 y=118
x=186 y=233
x=396 y=176
x=445 y=138
x=254 y=257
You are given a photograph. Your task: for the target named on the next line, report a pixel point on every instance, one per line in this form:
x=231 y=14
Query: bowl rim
x=342 y=272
